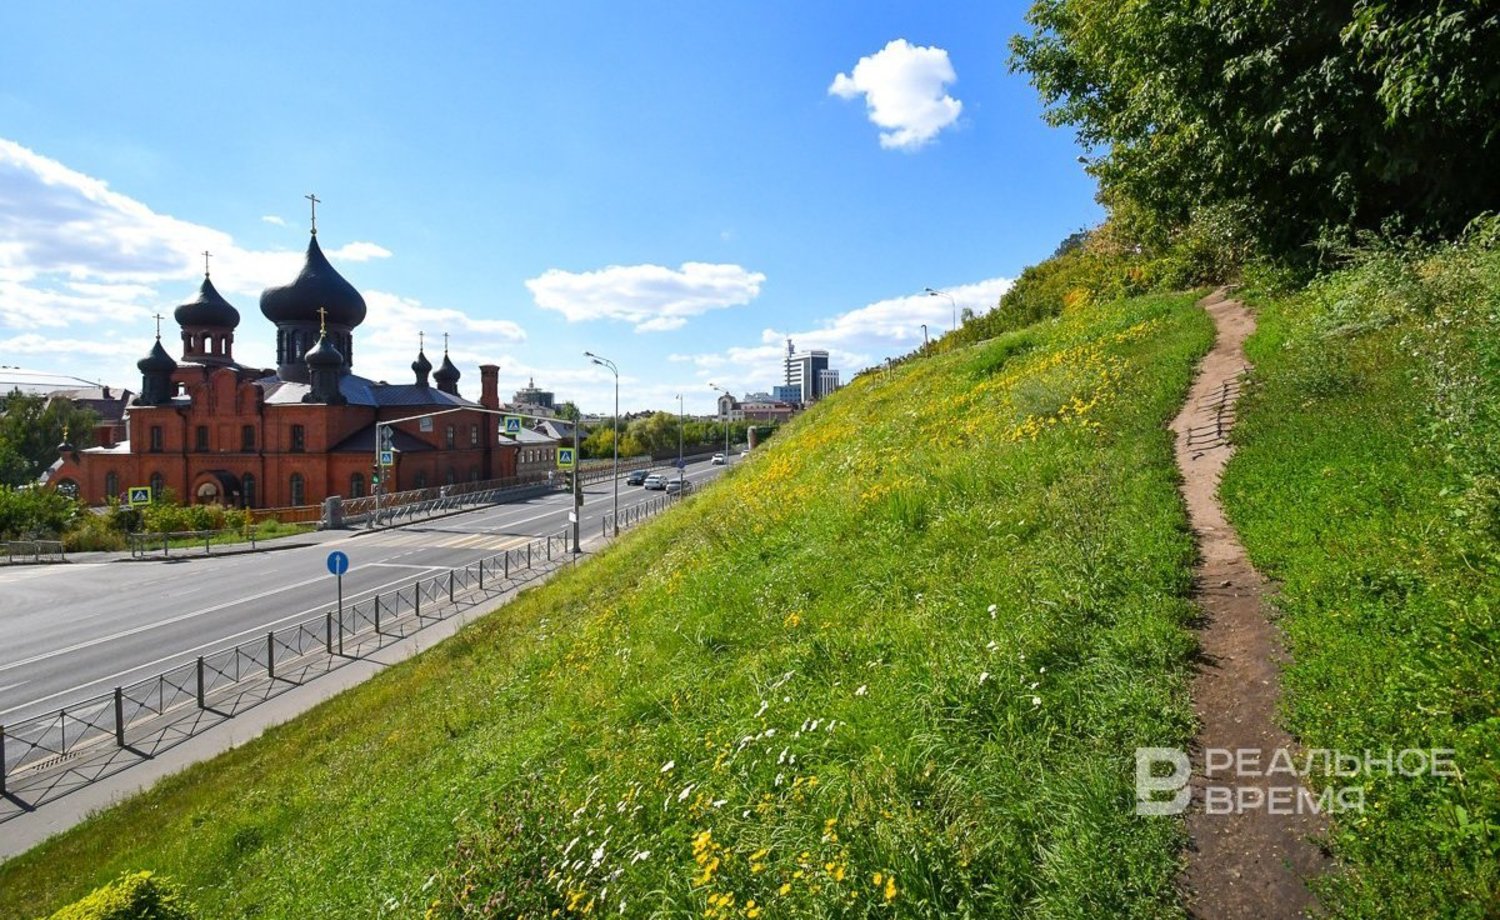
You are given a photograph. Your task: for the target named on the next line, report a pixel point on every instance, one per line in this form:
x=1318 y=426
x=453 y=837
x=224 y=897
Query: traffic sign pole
x=577 y=489
x=338 y=564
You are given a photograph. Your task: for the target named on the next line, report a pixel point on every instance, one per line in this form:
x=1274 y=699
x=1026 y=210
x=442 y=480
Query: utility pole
x=610 y=366
x=577 y=490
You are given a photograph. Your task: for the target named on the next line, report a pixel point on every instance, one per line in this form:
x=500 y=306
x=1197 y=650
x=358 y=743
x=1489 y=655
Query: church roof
x=362 y=392
x=318 y=285
x=209 y=308
x=363 y=442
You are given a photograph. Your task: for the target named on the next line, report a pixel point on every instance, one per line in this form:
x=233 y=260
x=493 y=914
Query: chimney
x=489 y=386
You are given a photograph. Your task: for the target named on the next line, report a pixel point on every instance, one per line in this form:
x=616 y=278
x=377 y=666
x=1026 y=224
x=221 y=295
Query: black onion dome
x=448 y=373
x=323 y=354
x=422 y=366
x=158 y=361
x=208 y=309
x=318 y=285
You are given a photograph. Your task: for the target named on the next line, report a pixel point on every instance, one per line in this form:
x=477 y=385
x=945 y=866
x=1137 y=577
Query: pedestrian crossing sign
x=139 y=495
x=565 y=458
x=512 y=424
x=387 y=457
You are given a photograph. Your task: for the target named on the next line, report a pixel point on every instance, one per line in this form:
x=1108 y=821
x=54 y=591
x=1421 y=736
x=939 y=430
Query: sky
x=677 y=186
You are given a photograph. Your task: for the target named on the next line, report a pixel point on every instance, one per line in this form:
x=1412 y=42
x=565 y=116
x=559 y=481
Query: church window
x=200 y=439
x=299 y=442
x=473 y=435
x=158 y=486
x=299 y=489
x=357 y=485
x=111 y=485
x=247 y=438
x=247 y=490
x=448 y=438
x=156 y=439
x=421 y=479
x=452 y=476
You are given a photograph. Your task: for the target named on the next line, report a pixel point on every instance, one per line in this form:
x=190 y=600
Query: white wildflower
x=863 y=689
x=666 y=767
x=984 y=676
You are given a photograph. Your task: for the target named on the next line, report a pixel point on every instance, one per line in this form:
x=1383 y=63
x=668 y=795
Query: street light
x=924 y=333
x=726 y=421
x=935 y=293
x=610 y=366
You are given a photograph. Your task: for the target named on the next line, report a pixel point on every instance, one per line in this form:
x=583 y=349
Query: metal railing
x=643 y=510
x=33 y=551
x=46 y=756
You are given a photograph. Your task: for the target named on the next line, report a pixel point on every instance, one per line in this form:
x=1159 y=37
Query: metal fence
x=33 y=551
x=46 y=756
x=639 y=512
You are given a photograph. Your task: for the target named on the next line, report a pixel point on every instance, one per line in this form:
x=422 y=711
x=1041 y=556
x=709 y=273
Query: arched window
x=158 y=486
x=473 y=435
x=473 y=474
x=452 y=477
x=421 y=482
x=448 y=438
x=67 y=487
x=111 y=485
x=298 y=489
x=247 y=490
x=357 y=485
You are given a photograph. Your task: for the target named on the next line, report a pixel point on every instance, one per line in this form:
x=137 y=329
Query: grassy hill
x=895 y=665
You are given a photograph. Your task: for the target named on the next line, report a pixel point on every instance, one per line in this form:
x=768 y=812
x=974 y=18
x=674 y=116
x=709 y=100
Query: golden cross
x=445 y=343
x=421 y=341
x=206 y=254
x=322 y=321
x=315 y=202
x=158 y=327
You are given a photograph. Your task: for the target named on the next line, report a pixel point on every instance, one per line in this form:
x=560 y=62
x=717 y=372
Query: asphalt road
x=69 y=632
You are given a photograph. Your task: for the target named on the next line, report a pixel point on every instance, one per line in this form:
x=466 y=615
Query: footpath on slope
x=1242 y=862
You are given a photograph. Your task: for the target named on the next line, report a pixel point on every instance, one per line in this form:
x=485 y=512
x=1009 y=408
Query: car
x=636 y=477
x=655 y=481
x=675 y=485
x=719 y=459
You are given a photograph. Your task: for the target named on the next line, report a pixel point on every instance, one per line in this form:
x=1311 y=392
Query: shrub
x=132 y=896
x=31 y=513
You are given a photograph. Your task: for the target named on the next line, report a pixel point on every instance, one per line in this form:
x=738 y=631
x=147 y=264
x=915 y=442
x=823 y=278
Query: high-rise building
x=804 y=370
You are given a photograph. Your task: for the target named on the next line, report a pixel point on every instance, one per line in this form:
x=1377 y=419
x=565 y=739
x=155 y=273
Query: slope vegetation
x=895 y=664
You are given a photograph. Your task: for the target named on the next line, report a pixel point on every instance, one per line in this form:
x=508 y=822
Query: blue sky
x=674 y=185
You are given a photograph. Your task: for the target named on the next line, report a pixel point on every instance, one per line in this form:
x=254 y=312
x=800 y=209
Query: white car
x=675 y=485
x=655 y=481
x=719 y=459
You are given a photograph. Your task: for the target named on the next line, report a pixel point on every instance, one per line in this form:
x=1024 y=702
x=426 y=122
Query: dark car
x=636 y=477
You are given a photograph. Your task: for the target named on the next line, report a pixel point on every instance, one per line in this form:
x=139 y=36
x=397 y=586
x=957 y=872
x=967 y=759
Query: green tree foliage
x=31 y=427
x=35 y=513
x=1307 y=120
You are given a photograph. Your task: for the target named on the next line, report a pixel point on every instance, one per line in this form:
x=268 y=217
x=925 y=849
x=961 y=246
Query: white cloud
x=903 y=86
x=83 y=269
x=358 y=252
x=854 y=339
x=652 y=297
x=273 y=219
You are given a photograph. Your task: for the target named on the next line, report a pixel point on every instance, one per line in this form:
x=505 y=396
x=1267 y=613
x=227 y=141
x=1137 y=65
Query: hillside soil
x=1248 y=862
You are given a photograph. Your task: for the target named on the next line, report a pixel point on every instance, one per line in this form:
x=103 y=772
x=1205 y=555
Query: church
x=208 y=429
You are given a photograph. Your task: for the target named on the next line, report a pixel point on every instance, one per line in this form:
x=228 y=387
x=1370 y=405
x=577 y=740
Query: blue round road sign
x=338 y=563
x=682 y=464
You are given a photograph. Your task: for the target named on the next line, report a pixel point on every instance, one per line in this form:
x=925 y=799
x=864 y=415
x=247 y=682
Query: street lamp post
x=679 y=442
x=924 y=333
x=935 y=293
x=610 y=365
x=726 y=422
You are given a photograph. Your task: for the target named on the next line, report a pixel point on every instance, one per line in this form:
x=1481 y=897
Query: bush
x=133 y=896
x=31 y=513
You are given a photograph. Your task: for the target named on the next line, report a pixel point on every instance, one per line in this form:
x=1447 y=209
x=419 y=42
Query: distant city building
x=786 y=394
x=805 y=371
x=828 y=381
x=108 y=402
x=530 y=396
x=729 y=409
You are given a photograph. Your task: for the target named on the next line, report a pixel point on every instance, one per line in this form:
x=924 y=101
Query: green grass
x=896 y=664
x=1368 y=483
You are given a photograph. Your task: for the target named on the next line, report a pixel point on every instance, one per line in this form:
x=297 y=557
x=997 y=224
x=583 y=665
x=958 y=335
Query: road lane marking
x=198 y=648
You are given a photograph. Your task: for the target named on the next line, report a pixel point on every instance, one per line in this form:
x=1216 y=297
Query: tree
x=1303 y=119
x=31 y=427
x=569 y=410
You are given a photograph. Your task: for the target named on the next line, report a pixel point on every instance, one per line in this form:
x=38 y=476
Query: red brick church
x=213 y=430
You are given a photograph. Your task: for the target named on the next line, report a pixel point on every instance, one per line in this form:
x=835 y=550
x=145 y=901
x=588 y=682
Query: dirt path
x=1248 y=862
